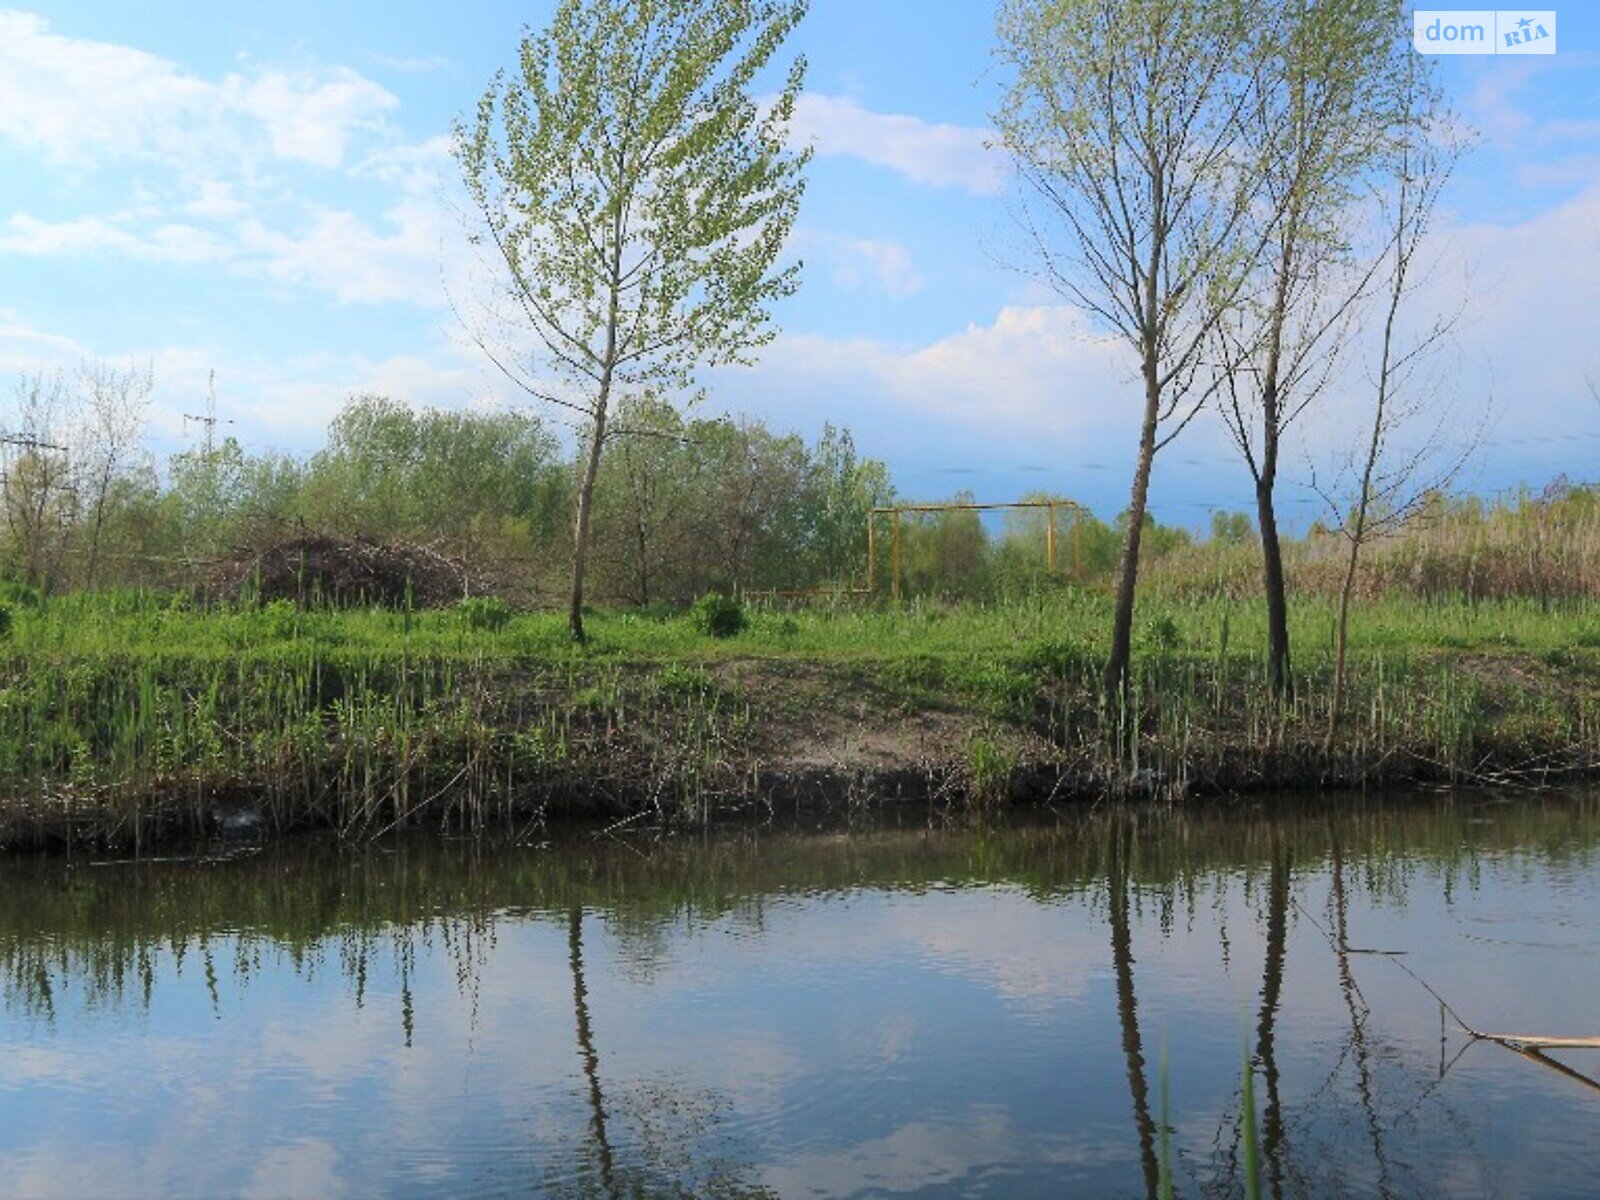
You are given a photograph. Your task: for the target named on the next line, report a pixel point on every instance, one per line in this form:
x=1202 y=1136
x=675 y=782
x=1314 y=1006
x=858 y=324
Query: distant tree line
x=683 y=506
x=686 y=506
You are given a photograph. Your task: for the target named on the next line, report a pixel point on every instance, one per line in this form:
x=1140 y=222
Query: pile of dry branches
x=312 y=568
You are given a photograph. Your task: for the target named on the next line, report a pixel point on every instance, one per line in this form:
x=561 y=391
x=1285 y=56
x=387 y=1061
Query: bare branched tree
x=39 y=500
x=1332 y=92
x=1394 y=482
x=1128 y=121
x=115 y=405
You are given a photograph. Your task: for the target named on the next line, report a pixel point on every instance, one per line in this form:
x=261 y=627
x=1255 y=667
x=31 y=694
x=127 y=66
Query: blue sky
x=267 y=192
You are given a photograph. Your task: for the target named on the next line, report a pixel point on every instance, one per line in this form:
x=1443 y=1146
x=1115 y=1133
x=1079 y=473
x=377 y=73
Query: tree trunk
x=1280 y=682
x=1356 y=529
x=1118 y=667
x=94 y=535
x=642 y=540
x=1279 y=679
x=580 y=538
x=1341 y=640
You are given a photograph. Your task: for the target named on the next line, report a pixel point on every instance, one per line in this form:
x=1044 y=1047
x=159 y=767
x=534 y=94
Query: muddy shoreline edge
x=469 y=748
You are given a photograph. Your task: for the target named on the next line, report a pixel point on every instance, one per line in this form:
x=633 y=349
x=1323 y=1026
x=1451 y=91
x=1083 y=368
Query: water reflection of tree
x=1118 y=883
x=107 y=937
x=600 y=1145
x=1356 y=1005
x=114 y=932
x=1266 y=1057
x=1274 y=1146
x=674 y=1150
x=1304 y=1145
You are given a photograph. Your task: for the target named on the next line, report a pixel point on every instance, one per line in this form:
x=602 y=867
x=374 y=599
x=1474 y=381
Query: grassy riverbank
x=130 y=717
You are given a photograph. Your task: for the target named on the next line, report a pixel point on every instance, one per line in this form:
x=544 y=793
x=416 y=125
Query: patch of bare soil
x=820 y=729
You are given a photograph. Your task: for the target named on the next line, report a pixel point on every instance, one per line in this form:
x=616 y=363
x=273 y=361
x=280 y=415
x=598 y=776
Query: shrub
x=1161 y=634
x=280 y=620
x=717 y=616
x=487 y=614
x=19 y=594
x=5 y=622
x=991 y=767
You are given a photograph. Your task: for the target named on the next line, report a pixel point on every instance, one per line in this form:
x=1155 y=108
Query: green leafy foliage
x=1161 y=633
x=991 y=766
x=476 y=481
x=718 y=616
x=279 y=619
x=485 y=614
x=638 y=195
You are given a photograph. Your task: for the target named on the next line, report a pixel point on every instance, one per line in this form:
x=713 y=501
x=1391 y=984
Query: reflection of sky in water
x=883 y=1037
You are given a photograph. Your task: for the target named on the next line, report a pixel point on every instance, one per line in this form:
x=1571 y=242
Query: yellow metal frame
x=896 y=510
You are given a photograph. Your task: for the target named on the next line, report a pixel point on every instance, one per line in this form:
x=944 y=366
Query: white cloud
x=355 y=262
x=169 y=242
x=888 y=263
x=1562 y=171
x=336 y=252
x=311 y=116
x=72 y=99
x=1492 y=101
x=1038 y=369
x=932 y=154
x=1038 y=384
x=217 y=201
x=293 y=404
x=1526 y=128
x=1531 y=290
x=26 y=347
x=82 y=102
x=226 y=149
x=855 y=263
x=416 y=167
x=1499 y=105
x=1042 y=366
x=286 y=404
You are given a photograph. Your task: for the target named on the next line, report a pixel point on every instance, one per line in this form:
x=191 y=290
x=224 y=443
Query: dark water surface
x=905 y=1008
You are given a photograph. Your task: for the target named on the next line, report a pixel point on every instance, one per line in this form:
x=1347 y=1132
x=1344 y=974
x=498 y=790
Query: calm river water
x=1050 y=1008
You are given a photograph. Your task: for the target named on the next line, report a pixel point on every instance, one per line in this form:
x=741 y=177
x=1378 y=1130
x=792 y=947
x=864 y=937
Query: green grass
x=145 y=625
x=134 y=705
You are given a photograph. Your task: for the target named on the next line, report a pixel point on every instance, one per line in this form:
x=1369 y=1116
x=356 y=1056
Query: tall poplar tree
x=634 y=198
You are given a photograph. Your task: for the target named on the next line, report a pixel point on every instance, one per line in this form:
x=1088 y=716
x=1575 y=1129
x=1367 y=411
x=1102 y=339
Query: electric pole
x=210 y=420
